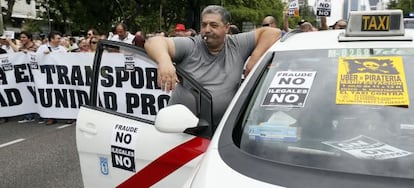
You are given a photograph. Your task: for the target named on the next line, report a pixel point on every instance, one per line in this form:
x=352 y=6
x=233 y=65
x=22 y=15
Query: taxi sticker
x=129 y=63
x=122 y=147
x=289 y=88
x=103 y=163
x=349 y=52
x=364 y=147
x=372 y=81
x=273 y=133
x=358 y=52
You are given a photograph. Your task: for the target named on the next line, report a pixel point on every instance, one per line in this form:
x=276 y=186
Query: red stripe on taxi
x=167 y=163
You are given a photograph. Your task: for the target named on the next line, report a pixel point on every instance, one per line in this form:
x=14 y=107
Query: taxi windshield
x=347 y=110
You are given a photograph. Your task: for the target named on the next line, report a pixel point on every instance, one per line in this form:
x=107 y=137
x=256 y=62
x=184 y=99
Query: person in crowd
x=93 y=43
x=179 y=30
x=303 y=25
x=234 y=30
x=270 y=21
x=26 y=45
x=37 y=39
x=3 y=119
x=64 y=41
x=91 y=32
x=142 y=33
x=191 y=33
x=53 y=46
x=73 y=46
x=5 y=43
x=340 y=24
x=111 y=33
x=122 y=34
x=306 y=27
x=84 y=45
x=139 y=41
x=214 y=58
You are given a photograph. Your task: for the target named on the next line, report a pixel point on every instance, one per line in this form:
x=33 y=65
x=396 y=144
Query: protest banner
x=56 y=85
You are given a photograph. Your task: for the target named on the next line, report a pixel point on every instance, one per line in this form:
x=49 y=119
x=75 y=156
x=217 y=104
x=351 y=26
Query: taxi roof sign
x=375 y=23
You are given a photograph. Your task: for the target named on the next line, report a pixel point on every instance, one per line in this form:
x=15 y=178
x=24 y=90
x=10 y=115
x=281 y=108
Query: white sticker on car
x=289 y=88
x=122 y=148
x=364 y=147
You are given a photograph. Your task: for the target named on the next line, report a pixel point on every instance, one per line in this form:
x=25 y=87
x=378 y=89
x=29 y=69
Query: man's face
x=267 y=22
x=214 y=29
x=121 y=32
x=340 y=25
x=55 y=40
x=23 y=38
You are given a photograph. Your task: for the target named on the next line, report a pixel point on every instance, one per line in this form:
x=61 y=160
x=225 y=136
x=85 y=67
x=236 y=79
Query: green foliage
x=31 y=26
x=77 y=16
x=406 y=6
x=254 y=10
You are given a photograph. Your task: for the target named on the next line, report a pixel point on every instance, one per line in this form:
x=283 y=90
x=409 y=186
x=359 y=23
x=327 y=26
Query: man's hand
x=161 y=50
x=167 y=77
x=249 y=67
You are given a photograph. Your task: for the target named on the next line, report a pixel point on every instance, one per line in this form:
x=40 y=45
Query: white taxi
x=321 y=109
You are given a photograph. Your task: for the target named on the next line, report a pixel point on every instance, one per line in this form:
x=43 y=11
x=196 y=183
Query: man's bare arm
x=286 y=21
x=265 y=37
x=324 y=24
x=162 y=51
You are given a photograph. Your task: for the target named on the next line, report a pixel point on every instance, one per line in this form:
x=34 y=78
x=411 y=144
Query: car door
x=117 y=142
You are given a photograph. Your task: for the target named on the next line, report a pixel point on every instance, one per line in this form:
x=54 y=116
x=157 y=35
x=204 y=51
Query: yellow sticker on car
x=372 y=81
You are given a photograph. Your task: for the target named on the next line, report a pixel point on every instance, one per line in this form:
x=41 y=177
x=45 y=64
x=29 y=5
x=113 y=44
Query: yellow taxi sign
x=375 y=23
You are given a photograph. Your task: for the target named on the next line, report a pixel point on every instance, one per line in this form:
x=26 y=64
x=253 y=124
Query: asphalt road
x=36 y=155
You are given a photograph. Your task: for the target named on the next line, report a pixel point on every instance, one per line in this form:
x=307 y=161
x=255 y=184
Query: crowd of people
x=55 y=42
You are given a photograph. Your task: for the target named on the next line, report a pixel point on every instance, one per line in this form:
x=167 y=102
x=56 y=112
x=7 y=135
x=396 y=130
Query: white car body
x=215 y=168
x=409 y=23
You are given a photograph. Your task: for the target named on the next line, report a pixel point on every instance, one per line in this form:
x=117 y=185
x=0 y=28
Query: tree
x=406 y=6
x=254 y=10
x=149 y=15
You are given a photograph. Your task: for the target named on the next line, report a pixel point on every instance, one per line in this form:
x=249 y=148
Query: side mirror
x=175 y=119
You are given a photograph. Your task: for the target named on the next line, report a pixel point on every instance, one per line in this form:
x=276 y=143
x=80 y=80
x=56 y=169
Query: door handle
x=89 y=128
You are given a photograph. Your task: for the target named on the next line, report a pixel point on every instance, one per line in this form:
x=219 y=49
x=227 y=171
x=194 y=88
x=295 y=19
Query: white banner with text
x=56 y=85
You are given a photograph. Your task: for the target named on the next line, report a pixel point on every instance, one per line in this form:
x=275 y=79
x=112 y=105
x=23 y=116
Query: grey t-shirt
x=219 y=74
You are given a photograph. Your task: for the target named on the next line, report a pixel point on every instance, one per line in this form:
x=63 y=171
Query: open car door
x=116 y=135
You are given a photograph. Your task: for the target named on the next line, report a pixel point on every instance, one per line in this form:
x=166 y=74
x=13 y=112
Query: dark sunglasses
x=265 y=25
x=94 y=42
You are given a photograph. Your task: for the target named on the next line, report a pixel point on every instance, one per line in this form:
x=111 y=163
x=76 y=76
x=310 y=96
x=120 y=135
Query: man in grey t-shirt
x=214 y=59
